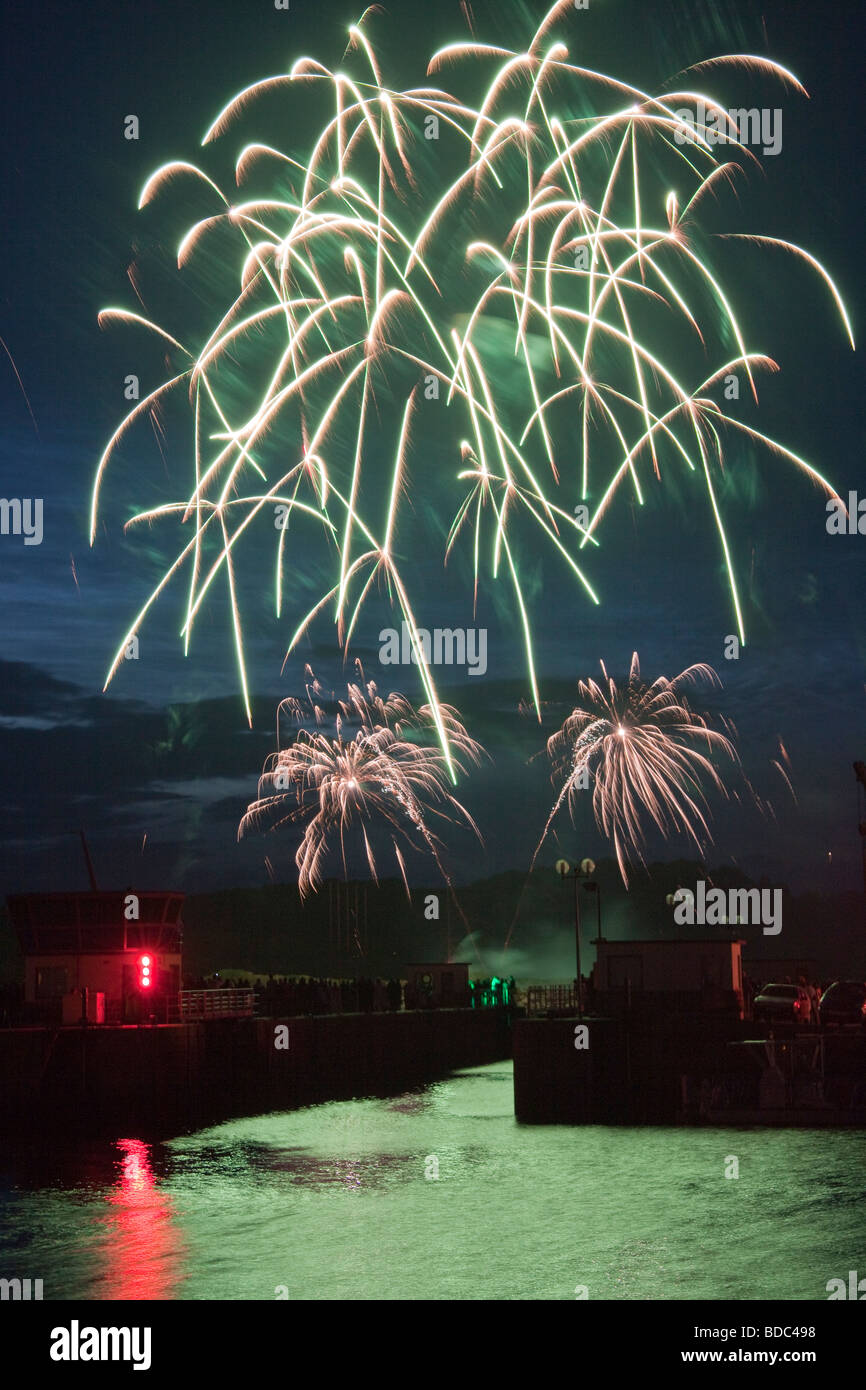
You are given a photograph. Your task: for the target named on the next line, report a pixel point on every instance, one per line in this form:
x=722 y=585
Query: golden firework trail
x=543 y=278
x=382 y=766
x=647 y=754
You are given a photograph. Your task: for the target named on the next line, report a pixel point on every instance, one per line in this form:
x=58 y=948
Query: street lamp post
x=579 y=872
x=596 y=889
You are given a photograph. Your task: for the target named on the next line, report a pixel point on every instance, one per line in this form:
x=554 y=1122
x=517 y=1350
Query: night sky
x=167 y=753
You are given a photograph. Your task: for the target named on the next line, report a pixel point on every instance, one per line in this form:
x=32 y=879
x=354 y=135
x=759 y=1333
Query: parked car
x=844 y=1002
x=782 y=1004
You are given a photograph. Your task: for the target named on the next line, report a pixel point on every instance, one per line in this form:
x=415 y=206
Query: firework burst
x=383 y=766
x=647 y=754
x=545 y=290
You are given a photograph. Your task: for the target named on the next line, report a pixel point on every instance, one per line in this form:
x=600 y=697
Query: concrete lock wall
x=630 y=1071
x=201 y=1072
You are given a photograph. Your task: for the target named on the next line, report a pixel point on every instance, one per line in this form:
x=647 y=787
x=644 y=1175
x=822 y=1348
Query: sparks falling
x=382 y=767
x=647 y=754
x=530 y=309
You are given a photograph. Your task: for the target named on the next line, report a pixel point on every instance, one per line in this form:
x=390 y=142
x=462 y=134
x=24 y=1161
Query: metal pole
x=860 y=774
x=575 y=876
x=92 y=876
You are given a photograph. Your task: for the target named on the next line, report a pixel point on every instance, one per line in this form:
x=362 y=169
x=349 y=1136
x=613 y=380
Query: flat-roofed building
x=703 y=972
x=437 y=985
x=125 y=946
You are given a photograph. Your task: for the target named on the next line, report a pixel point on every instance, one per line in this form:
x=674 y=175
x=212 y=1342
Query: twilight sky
x=166 y=753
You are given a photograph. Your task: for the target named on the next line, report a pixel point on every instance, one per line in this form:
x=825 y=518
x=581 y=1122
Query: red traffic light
x=144 y=976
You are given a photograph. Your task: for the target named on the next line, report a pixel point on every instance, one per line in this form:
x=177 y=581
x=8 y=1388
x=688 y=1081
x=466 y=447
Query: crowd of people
x=280 y=996
x=486 y=994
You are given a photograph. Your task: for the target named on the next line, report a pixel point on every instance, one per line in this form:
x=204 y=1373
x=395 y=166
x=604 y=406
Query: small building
x=437 y=985
x=123 y=946
x=703 y=972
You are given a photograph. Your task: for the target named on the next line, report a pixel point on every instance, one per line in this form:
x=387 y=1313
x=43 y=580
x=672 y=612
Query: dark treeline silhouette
x=272 y=930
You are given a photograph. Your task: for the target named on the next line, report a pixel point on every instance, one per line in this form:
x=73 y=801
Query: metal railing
x=196 y=1004
x=542 y=999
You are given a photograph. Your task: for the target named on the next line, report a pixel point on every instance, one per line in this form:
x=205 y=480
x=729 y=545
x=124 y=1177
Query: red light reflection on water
x=142 y=1252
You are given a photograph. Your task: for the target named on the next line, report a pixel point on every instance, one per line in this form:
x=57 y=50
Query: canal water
x=436 y=1194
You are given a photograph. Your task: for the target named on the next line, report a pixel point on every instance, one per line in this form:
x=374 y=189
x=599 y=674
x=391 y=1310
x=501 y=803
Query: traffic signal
x=145 y=972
